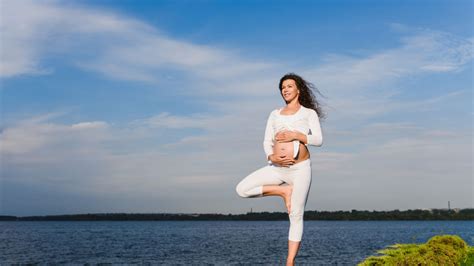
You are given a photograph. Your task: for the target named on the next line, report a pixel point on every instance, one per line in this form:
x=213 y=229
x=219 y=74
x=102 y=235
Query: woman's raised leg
x=265 y=181
x=252 y=186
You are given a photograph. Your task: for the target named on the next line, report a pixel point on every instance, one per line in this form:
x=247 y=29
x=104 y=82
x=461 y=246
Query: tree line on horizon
x=353 y=215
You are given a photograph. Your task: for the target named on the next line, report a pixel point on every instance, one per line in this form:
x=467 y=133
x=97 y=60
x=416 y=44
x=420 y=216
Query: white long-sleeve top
x=305 y=120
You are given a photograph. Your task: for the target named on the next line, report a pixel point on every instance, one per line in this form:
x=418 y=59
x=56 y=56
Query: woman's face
x=289 y=91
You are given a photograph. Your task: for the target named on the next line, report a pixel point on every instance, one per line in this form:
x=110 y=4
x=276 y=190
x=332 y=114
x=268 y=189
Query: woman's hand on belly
x=285 y=136
x=282 y=160
x=282 y=153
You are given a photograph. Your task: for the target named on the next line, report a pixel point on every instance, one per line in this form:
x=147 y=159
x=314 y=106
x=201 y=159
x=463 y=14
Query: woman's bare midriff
x=286 y=148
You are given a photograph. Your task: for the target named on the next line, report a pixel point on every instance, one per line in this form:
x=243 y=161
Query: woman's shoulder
x=275 y=111
x=309 y=111
x=306 y=109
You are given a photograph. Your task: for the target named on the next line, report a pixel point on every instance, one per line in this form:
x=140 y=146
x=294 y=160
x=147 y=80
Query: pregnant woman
x=288 y=132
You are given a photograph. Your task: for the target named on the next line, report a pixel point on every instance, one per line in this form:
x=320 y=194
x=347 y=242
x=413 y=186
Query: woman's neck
x=293 y=105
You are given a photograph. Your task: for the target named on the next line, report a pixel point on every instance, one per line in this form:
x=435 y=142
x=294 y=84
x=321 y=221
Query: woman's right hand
x=283 y=160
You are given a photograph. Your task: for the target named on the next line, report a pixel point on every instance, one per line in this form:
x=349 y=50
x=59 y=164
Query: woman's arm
x=316 y=136
x=268 y=139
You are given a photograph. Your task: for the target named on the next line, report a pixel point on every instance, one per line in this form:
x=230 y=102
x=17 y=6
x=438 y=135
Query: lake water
x=210 y=242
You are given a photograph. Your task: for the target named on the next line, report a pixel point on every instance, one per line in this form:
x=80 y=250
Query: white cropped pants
x=298 y=175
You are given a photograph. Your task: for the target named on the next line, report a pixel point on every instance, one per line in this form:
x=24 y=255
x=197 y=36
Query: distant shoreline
x=354 y=215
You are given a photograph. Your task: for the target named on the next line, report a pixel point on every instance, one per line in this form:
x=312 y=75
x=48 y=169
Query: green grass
x=438 y=250
x=469 y=261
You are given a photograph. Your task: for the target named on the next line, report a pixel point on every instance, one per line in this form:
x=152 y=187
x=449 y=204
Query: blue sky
x=160 y=106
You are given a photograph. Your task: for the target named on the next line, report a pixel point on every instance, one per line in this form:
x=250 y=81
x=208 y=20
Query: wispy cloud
x=367 y=85
x=116 y=46
x=30 y=135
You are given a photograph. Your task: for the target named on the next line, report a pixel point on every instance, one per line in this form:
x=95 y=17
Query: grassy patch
x=438 y=250
x=469 y=261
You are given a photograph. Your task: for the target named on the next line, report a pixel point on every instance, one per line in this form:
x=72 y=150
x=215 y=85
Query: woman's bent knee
x=246 y=192
x=240 y=191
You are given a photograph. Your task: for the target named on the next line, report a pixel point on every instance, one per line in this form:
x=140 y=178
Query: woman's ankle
x=290 y=261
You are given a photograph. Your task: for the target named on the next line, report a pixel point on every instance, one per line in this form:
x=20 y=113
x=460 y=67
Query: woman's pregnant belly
x=286 y=149
x=283 y=149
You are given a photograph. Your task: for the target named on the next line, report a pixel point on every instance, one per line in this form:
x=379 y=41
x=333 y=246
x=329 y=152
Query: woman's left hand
x=285 y=136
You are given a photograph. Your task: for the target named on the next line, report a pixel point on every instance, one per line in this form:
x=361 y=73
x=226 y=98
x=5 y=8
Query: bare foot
x=287 y=197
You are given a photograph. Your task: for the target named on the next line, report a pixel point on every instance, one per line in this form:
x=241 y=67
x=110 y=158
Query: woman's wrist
x=299 y=136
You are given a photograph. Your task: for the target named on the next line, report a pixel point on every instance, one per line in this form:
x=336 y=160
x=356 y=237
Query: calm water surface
x=210 y=242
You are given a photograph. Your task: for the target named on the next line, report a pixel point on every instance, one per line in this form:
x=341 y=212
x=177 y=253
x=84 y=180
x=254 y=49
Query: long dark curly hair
x=306 y=97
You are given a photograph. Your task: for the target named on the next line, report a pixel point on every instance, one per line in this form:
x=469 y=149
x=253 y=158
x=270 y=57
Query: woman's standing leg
x=301 y=179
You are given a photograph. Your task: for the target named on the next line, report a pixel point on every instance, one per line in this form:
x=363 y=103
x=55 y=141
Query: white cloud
x=30 y=135
x=365 y=87
x=166 y=120
x=111 y=44
x=89 y=125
